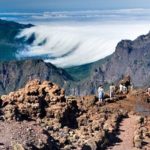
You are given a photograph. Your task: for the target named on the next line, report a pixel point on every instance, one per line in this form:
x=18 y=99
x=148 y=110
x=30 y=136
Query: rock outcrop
x=68 y=122
x=130 y=58
x=36 y=100
x=142 y=132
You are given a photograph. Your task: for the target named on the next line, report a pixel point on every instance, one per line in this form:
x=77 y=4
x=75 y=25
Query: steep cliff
x=15 y=74
x=130 y=58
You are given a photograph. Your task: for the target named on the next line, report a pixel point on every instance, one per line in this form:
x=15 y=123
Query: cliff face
x=130 y=58
x=15 y=74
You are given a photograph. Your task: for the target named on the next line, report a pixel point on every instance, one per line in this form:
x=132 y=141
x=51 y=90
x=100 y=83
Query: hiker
x=101 y=93
x=121 y=88
x=148 y=91
x=125 y=90
x=112 y=90
x=131 y=86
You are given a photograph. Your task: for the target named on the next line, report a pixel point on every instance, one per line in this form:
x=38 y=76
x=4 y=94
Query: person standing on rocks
x=112 y=90
x=125 y=89
x=121 y=88
x=131 y=86
x=148 y=91
x=101 y=93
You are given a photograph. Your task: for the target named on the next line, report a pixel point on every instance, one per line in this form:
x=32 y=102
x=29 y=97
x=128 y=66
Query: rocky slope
x=15 y=74
x=39 y=116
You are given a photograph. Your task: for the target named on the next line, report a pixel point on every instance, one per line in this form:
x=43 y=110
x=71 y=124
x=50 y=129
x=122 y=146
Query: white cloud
x=80 y=37
x=87 y=43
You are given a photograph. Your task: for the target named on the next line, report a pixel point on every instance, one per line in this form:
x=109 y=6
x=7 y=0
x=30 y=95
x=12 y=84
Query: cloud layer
x=72 y=45
x=79 y=37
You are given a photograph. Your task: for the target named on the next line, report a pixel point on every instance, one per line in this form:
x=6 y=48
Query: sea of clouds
x=76 y=38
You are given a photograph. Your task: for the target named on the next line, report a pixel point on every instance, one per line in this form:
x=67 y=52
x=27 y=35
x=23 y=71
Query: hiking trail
x=126 y=134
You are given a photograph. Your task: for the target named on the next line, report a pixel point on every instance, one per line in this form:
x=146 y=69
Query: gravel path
x=127 y=128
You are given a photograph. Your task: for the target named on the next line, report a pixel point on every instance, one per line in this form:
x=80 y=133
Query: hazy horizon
x=64 y=5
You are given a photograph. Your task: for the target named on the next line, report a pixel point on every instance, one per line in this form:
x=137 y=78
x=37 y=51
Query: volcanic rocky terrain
x=40 y=116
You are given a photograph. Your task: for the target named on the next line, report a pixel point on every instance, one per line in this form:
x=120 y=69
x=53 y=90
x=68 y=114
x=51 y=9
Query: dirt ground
x=135 y=104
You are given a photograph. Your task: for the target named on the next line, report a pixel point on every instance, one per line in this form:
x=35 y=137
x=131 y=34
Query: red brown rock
x=72 y=122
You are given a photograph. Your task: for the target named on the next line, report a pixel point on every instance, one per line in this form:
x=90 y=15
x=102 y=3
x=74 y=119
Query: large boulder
x=34 y=101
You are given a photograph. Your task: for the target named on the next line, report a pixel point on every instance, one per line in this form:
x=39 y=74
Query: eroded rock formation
x=69 y=122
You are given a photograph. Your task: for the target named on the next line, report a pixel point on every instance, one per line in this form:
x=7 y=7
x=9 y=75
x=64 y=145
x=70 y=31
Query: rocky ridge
x=15 y=74
x=68 y=122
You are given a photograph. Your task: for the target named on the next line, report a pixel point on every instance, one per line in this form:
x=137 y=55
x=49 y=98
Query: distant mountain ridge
x=15 y=74
x=130 y=58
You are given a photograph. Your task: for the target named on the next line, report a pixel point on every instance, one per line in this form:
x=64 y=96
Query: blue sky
x=45 y=5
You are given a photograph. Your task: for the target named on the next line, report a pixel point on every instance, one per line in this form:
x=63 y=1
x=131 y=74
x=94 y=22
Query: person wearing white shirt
x=121 y=88
x=148 y=90
x=100 y=93
x=112 y=90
